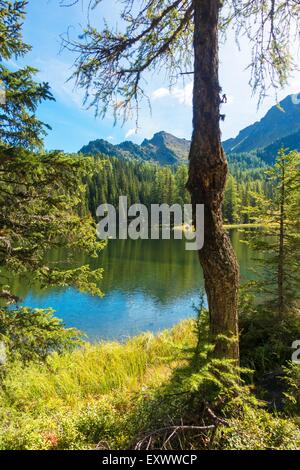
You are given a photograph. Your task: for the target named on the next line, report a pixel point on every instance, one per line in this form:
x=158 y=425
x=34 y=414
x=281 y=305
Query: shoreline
x=226 y=226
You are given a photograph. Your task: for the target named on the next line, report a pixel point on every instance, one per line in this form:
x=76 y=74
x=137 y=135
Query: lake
x=149 y=285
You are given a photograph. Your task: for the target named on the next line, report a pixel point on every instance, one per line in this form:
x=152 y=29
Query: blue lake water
x=149 y=285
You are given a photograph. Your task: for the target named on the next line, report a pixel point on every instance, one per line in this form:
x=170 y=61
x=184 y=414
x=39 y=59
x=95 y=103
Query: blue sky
x=73 y=125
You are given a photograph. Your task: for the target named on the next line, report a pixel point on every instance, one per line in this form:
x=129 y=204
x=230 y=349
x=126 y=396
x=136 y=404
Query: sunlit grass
x=103 y=395
x=93 y=370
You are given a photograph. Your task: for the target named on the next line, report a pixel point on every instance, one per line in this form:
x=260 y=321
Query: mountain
x=279 y=122
x=279 y=127
x=291 y=142
x=163 y=148
x=166 y=148
x=98 y=146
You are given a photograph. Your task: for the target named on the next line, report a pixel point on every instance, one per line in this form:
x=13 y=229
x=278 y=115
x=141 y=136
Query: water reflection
x=148 y=285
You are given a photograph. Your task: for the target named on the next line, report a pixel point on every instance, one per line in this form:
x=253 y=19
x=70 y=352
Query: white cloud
x=184 y=95
x=160 y=93
x=294 y=84
x=131 y=132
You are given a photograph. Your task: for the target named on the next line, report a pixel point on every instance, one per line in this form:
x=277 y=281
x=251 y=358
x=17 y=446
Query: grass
x=94 y=370
x=42 y=400
x=249 y=225
x=108 y=395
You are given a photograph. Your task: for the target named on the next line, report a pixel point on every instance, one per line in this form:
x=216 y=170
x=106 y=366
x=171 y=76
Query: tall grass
x=93 y=370
x=108 y=394
x=98 y=380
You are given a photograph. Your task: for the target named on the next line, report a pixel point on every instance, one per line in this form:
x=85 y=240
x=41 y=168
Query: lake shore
x=188 y=228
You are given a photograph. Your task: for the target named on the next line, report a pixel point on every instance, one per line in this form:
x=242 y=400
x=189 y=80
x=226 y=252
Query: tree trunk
x=207 y=178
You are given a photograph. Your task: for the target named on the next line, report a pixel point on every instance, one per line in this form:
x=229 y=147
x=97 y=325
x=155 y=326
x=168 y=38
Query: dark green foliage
x=18 y=124
x=279 y=241
x=145 y=183
x=42 y=197
x=231 y=205
x=266 y=341
x=32 y=334
x=148 y=183
x=270 y=324
x=12 y=17
x=41 y=202
x=246 y=169
x=292 y=394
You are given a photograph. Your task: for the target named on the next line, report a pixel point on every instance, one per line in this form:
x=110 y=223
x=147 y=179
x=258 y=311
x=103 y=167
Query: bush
x=292 y=395
x=266 y=341
x=257 y=429
x=31 y=334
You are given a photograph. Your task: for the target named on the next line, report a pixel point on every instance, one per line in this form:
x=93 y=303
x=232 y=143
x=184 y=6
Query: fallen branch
x=103 y=445
x=7 y=243
x=215 y=418
x=174 y=430
x=10 y=298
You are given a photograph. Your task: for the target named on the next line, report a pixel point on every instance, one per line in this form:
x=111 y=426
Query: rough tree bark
x=207 y=178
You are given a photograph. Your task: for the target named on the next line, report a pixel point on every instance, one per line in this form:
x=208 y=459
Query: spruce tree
x=42 y=195
x=21 y=94
x=279 y=240
x=231 y=201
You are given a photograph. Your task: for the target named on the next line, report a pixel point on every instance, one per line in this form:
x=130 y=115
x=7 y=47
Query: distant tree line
x=149 y=183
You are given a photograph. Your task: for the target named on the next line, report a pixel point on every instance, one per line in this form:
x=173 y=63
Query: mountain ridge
x=163 y=148
x=280 y=126
x=280 y=121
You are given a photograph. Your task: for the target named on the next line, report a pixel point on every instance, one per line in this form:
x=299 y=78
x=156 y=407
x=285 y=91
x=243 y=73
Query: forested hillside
x=149 y=183
x=156 y=171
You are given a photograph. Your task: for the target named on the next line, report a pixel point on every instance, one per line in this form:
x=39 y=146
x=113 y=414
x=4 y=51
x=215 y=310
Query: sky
x=74 y=126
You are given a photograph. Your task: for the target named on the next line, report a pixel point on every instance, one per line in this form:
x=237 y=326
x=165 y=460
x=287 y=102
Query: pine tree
x=280 y=240
x=231 y=201
x=42 y=197
x=21 y=93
